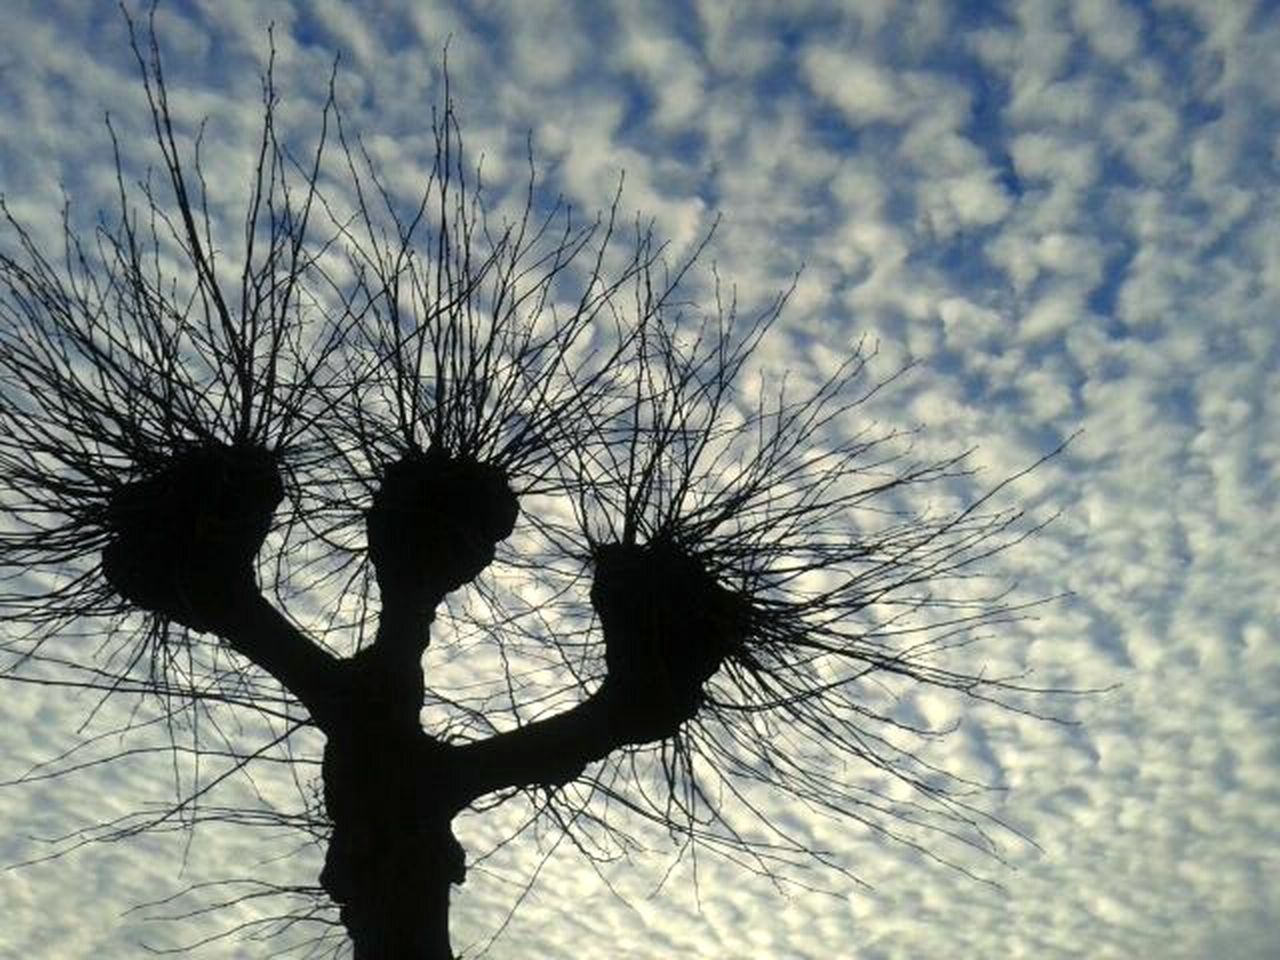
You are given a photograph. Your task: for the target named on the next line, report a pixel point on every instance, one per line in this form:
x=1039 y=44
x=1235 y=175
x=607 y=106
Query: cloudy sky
x=1066 y=213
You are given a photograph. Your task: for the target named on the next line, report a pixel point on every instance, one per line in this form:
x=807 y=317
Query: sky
x=1064 y=213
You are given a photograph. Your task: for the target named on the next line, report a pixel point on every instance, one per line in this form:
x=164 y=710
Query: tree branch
x=255 y=629
x=555 y=751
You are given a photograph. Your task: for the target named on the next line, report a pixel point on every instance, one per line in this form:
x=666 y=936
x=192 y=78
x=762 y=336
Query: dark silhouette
x=379 y=400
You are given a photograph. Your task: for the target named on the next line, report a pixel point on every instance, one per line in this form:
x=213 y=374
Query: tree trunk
x=392 y=855
x=400 y=910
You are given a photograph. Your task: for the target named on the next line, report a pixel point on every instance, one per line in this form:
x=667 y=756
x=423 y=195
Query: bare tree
x=263 y=485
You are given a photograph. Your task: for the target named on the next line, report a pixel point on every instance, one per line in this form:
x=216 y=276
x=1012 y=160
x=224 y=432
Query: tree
x=263 y=469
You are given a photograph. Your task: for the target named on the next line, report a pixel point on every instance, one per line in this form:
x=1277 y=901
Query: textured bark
x=391 y=797
x=392 y=856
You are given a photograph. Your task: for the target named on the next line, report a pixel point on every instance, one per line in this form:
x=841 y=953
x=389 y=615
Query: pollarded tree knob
x=436 y=521
x=187 y=532
x=668 y=626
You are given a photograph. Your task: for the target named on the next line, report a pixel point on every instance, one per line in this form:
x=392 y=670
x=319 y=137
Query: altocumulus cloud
x=1063 y=212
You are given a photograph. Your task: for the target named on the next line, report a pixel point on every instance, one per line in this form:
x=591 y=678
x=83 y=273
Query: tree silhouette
x=261 y=469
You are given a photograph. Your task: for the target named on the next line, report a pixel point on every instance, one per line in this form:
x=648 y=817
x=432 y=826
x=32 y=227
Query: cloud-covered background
x=1066 y=213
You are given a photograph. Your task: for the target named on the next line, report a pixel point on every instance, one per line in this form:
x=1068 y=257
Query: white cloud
x=1145 y=132
x=1112 y=28
x=861 y=89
